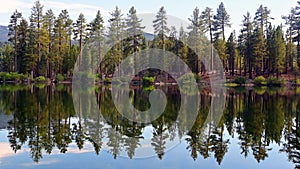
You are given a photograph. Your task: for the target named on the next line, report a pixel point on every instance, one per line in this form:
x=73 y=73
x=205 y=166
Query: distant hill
x=4 y=36
x=149 y=36
x=3 y=33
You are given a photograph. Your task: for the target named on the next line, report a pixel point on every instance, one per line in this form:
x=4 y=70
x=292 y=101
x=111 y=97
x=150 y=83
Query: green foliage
x=239 y=80
x=231 y=52
x=40 y=85
x=60 y=78
x=260 y=90
x=148 y=80
x=260 y=81
x=189 y=78
x=273 y=81
x=15 y=76
x=4 y=76
x=222 y=20
x=148 y=87
x=40 y=79
x=231 y=84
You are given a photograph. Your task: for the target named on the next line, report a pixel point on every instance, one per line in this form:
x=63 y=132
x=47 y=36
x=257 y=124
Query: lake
x=40 y=128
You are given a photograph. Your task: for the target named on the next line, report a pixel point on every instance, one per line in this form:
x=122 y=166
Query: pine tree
x=262 y=21
x=182 y=35
x=96 y=31
x=96 y=27
x=134 y=32
x=183 y=48
x=173 y=42
x=116 y=27
x=220 y=46
x=13 y=35
x=259 y=50
x=195 y=36
x=31 y=56
x=23 y=40
x=116 y=35
x=271 y=50
x=49 y=21
x=245 y=44
x=36 y=21
x=80 y=34
x=62 y=43
x=133 y=24
x=68 y=60
x=280 y=50
x=58 y=44
x=231 y=51
x=262 y=18
x=221 y=20
x=296 y=27
x=207 y=17
x=290 y=34
x=241 y=50
x=160 y=26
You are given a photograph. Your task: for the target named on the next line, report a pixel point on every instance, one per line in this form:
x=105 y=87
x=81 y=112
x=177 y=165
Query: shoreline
x=205 y=83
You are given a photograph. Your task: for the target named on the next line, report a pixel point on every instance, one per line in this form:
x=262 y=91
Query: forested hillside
x=3 y=33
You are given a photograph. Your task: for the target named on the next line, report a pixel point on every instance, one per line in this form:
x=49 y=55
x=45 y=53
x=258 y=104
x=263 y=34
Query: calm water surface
x=39 y=128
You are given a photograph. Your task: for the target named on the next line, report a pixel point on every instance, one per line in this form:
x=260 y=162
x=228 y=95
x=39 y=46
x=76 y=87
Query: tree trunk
x=250 y=70
x=211 y=48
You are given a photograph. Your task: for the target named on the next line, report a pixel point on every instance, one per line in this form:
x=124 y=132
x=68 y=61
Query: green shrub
x=22 y=77
x=5 y=76
x=273 y=81
x=260 y=81
x=231 y=84
x=40 y=79
x=2 y=75
x=239 y=80
x=148 y=80
x=40 y=85
x=189 y=78
x=260 y=90
x=13 y=76
x=60 y=77
x=149 y=87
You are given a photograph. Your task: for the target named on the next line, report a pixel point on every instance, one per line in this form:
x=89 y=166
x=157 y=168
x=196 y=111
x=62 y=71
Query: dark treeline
x=48 y=45
x=45 y=120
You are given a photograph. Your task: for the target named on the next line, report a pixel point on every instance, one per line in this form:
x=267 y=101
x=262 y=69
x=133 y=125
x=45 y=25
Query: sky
x=182 y=9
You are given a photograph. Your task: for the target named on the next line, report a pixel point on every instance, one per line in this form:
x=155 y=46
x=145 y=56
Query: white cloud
x=12 y=5
x=75 y=8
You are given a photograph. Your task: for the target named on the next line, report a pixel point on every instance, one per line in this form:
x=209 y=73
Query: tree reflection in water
x=44 y=119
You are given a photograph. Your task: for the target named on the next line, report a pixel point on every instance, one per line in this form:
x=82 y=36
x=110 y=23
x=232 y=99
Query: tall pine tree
x=13 y=32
